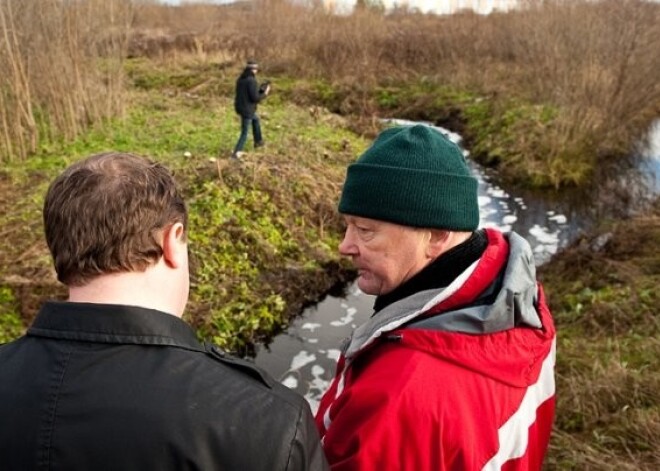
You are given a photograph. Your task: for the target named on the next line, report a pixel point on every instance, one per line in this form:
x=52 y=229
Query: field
x=551 y=97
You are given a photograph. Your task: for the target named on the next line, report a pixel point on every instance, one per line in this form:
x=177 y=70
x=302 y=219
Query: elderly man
x=113 y=379
x=455 y=369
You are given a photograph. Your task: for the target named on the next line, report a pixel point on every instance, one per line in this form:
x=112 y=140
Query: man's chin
x=366 y=287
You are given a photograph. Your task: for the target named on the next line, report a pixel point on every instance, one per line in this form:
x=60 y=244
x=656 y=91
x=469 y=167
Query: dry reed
x=63 y=63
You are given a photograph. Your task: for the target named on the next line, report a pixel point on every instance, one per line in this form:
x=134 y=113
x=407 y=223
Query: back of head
x=105 y=214
x=412 y=176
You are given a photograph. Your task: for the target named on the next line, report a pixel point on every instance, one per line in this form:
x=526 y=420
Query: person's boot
x=259 y=144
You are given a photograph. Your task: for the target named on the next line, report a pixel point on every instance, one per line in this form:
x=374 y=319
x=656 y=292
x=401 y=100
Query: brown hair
x=105 y=214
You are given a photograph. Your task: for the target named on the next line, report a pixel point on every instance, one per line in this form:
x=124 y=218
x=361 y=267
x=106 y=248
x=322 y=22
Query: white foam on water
x=316 y=387
x=313 y=340
x=548 y=243
x=290 y=382
x=313 y=402
x=543 y=235
x=311 y=326
x=347 y=319
x=498 y=193
x=486 y=213
x=502 y=227
x=558 y=218
x=652 y=149
x=301 y=359
x=333 y=354
x=509 y=219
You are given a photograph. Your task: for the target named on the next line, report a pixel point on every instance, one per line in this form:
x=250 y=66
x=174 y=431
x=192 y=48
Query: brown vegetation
x=604 y=293
x=62 y=69
x=589 y=67
x=568 y=86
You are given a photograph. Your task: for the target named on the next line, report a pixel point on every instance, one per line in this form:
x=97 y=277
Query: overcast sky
x=438 y=6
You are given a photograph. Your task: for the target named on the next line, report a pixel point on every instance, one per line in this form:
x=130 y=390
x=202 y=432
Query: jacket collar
x=112 y=323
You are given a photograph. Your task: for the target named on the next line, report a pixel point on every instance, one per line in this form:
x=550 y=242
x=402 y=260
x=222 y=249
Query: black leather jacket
x=248 y=94
x=106 y=387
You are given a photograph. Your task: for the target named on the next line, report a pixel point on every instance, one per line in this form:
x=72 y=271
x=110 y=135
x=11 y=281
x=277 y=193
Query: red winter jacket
x=459 y=378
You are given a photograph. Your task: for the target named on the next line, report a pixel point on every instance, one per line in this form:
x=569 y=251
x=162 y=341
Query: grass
x=11 y=325
x=255 y=227
x=608 y=384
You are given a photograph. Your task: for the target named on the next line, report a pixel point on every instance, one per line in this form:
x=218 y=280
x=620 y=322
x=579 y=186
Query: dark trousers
x=245 y=128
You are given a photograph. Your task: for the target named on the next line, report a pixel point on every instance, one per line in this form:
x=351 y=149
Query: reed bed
x=62 y=69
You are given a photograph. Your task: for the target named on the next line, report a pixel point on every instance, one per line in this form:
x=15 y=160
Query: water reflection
x=650 y=153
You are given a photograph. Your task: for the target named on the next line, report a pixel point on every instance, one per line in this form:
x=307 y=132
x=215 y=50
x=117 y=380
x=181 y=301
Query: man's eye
x=364 y=230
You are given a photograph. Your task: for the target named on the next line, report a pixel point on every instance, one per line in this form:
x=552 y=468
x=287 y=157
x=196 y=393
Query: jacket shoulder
x=243 y=366
x=255 y=374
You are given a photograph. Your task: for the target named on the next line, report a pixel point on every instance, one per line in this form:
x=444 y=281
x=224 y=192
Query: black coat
x=104 y=387
x=248 y=94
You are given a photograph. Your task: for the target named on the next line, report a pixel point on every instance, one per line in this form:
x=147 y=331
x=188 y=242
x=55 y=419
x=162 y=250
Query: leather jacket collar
x=112 y=323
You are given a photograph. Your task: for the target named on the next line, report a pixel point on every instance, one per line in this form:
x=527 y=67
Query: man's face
x=385 y=254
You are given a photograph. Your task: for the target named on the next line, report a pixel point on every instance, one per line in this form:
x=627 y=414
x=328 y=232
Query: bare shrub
x=64 y=63
x=595 y=61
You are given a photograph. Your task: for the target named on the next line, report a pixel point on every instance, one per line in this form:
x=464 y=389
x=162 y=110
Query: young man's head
x=114 y=213
x=408 y=199
x=253 y=66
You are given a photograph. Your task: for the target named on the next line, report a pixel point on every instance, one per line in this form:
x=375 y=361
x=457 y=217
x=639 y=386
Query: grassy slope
x=263 y=238
x=604 y=294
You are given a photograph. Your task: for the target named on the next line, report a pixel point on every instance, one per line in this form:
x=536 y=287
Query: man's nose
x=347 y=246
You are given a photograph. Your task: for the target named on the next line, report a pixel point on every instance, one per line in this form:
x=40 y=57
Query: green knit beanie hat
x=413 y=176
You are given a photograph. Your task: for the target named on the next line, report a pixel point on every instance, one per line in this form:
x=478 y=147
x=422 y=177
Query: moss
x=11 y=325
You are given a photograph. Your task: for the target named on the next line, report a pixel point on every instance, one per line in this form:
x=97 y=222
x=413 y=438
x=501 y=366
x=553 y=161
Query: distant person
x=113 y=379
x=248 y=94
x=455 y=369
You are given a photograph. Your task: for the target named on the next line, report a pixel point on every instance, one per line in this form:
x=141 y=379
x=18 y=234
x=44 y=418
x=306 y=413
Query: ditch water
x=303 y=357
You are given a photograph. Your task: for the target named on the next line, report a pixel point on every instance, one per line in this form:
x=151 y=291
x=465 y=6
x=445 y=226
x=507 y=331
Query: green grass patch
x=11 y=325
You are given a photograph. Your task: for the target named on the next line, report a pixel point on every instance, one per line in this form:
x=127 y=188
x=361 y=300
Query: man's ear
x=175 y=248
x=438 y=243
